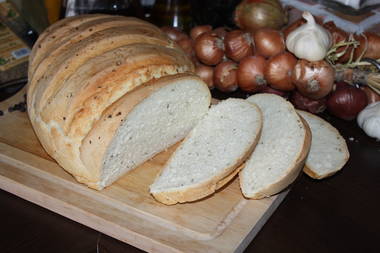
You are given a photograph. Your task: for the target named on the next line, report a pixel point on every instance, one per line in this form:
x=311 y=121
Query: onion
x=238 y=45
x=206 y=73
x=250 y=74
x=304 y=103
x=251 y=15
x=313 y=79
x=338 y=35
x=225 y=76
x=198 y=30
x=174 y=33
x=221 y=32
x=268 y=42
x=209 y=48
x=186 y=45
x=346 y=102
x=372 y=96
x=278 y=71
x=369 y=42
x=267 y=89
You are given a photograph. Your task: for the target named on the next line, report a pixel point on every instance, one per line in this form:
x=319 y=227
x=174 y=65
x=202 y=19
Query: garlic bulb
x=310 y=41
x=369 y=120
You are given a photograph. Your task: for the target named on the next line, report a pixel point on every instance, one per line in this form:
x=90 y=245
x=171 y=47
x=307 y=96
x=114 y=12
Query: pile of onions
x=346 y=101
x=279 y=69
x=269 y=42
x=250 y=74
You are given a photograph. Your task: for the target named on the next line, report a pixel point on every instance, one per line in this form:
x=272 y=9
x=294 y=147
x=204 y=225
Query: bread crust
x=292 y=172
x=62 y=41
x=80 y=67
x=95 y=144
x=208 y=187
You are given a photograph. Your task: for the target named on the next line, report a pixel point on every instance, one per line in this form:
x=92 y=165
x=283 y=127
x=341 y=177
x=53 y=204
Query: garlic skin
x=310 y=41
x=369 y=120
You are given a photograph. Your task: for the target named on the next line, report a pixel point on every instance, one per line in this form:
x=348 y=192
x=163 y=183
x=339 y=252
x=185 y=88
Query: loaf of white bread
x=107 y=93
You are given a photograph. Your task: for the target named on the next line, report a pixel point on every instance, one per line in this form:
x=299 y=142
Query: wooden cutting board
x=223 y=222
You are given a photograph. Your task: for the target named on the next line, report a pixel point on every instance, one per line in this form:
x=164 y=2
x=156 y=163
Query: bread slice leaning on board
x=211 y=154
x=280 y=155
x=106 y=93
x=329 y=152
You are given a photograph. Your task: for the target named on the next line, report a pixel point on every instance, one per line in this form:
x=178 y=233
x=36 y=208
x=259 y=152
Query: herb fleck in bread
x=210 y=155
x=281 y=152
x=329 y=152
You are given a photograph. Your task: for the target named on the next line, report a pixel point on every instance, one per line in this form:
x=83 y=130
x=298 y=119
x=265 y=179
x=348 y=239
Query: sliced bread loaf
x=281 y=152
x=210 y=155
x=328 y=152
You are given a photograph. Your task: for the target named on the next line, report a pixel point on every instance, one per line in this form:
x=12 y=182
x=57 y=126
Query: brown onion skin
x=174 y=33
x=290 y=28
x=221 y=32
x=250 y=74
x=278 y=71
x=346 y=102
x=304 y=103
x=238 y=44
x=337 y=35
x=268 y=42
x=372 y=96
x=371 y=41
x=251 y=15
x=209 y=48
x=206 y=73
x=187 y=46
x=198 y=30
x=314 y=80
x=225 y=76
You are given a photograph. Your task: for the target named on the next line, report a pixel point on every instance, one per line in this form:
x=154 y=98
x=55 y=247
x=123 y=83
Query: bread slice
x=281 y=152
x=329 y=152
x=210 y=155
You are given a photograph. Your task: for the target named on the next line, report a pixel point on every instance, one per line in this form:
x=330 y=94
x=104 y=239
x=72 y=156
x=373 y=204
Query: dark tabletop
x=337 y=214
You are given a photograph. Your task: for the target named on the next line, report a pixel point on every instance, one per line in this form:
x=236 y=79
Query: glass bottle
x=176 y=13
x=116 y=7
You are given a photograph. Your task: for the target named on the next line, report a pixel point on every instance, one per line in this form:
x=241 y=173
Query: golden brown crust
x=96 y=142
x=79 y=33
x=69 y=63
x=56 y=68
